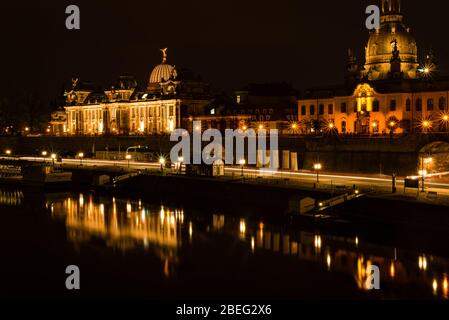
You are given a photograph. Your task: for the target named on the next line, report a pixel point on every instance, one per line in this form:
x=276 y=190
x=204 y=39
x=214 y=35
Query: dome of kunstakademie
x=163 y=71
x=381 y=44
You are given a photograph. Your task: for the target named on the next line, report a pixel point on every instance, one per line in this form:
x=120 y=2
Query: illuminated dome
x=163 y=71
x=381 y=45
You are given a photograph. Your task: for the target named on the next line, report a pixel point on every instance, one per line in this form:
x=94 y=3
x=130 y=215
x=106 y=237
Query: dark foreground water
x=131 y=248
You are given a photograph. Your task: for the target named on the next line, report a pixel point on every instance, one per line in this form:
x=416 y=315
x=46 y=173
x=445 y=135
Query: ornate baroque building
x=392 y=93
x=171 y=97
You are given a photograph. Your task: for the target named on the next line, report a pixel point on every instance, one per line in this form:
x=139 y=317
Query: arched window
x=430 y=104
x=442 y=104
x=419 y=104
x=408 y=105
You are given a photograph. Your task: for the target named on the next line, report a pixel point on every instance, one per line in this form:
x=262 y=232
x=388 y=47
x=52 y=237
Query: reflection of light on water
x=317 y=242
x=190 y=230
x=435 y=286
x=362 y=275
x=166 y=268
x=340 y=259
x=445 y=287
x=218 y=221
x=122 y=225
x=422 y=263
x=242 y=228
x=11 y=198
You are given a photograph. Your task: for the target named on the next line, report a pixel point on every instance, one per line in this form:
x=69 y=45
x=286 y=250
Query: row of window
x=330 y=109
x=376 y=106
x=256 y=111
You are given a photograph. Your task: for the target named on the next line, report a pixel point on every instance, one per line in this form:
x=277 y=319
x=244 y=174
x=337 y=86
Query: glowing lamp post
x=180 y=162
x=128 y=157
x=242 y=163
x=53 y=158
x=162 y=163
x=425 y=163
x=294 y=127
x=426 y=124
x=81 y=156
x=44 y=153
x=317 y=167
x=8 y=152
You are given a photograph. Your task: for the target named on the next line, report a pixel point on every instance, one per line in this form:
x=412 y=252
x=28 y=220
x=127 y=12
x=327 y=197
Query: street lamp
x=180 y=161
x=128 y=157
x=426 y=125
x=81 y=156
x=242 y=163
x=44 y=153
x=8 y=152
x=317 y=167
x=53 y=158
x=162 y=163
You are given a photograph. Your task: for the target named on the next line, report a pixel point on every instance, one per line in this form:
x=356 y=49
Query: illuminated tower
x=391 y=38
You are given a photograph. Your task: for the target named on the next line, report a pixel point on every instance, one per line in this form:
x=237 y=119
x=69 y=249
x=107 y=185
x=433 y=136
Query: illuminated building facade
x=256 y=106
x=170 y=97
x=391 y=93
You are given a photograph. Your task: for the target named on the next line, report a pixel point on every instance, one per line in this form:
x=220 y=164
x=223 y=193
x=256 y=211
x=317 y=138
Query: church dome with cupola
x=392 y=40
x=162 y=72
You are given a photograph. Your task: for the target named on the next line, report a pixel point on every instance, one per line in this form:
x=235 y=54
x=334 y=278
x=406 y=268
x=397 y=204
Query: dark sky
x=228 y=42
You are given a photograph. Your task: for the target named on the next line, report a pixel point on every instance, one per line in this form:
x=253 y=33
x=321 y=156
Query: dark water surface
x=129 y=248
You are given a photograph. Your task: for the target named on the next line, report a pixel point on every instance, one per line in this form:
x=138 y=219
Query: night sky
x=228 y=42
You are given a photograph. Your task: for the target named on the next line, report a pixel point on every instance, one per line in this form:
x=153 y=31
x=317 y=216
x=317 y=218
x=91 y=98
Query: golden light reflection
x=122 y=225
x=435 y=286
x=11 y=198
x=242 y=228
x=422 y=263
x=445 y=287
x=218 y=221
x=318 y=242
x=190 y=230
x=392 y=270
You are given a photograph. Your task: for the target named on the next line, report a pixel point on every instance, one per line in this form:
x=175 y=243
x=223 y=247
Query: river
x=132 y=248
